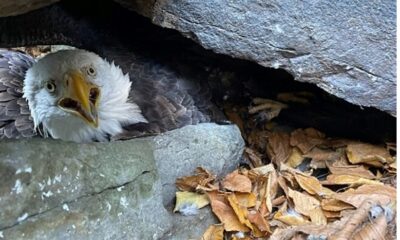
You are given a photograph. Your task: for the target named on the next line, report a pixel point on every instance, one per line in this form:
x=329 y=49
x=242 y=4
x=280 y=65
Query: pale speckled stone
x=60 y=190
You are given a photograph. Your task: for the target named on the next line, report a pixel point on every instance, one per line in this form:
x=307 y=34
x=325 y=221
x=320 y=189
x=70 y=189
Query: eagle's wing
x=15 y=117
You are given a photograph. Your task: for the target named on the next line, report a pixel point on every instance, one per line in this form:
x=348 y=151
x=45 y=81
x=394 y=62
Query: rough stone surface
x=58 y=190
x=347 y=48
x=178 y=153
x=16 y=7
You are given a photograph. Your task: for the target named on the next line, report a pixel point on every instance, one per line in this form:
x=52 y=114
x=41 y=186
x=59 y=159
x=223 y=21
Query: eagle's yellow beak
x=80 y=97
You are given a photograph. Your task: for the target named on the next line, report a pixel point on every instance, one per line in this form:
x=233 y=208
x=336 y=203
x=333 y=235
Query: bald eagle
x=75 y=95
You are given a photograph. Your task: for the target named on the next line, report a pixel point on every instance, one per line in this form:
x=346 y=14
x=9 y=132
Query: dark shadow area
x=232 y=80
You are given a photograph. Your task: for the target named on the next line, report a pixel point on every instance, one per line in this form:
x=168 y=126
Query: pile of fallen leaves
x=312 y=186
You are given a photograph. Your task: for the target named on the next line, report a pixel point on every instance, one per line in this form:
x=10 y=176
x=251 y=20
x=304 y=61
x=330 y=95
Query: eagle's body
x=75 y=95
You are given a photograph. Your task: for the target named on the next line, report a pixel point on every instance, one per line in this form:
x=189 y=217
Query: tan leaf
x=334 y=179
x=295 y=158
x=290 y=217
x=237 y=182
x=306 y=139
x=190 y=199
x=312 y=185
x=335 y=205
x=254 y=157
x=331 y=214
x=240 y=211
x=384 y=195
x=189 y=183
x=308 y=206
x=214 y=232
x=318 y=154
x=271 y=190
x=353 y=170
x=246 y=199
x=257 y=219
x=263 y=104
x=263 y=170
x=222 y=209
x=368 y=154
x=375 y=230
x=278 y=147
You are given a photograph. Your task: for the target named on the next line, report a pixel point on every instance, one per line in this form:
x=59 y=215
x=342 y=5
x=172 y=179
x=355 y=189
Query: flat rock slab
x=347 y=48
x=59 y=190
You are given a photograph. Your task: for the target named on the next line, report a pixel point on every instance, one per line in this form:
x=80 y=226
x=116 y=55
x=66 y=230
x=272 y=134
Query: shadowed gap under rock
x=231 y=80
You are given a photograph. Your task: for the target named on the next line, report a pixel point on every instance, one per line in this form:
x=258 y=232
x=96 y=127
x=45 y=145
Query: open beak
x=80 y=97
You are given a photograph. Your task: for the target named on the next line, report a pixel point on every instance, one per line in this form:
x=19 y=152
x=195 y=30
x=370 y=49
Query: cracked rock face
x=57 y=190
x=347 y=48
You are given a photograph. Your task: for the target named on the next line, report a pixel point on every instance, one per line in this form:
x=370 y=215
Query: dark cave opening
x=233 y=80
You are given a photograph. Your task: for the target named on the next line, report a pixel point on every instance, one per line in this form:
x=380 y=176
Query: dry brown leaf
x=331 y=214
x=295 y=158
x=279 y=200
x=290 y=216
x=263 y=104
x=259 y=221
x=190 y=199
x=369 y=154
x=246 y=199
x=334 y=179
x=222 y=209
x=240 y=211
x=384 y=195
x=214 y=232
x=237 y=182
x=318 y=154
x=254 y=157
x=308 y=206
x=334 y=205
x=189 y=183
x=271 y=190
x=312 y=185
x=262 y=171
x=278 y=147
x=306 y=139
x=353 y=170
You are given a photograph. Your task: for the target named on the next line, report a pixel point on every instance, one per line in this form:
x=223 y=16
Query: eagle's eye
x=50 y=86
x=90 y=71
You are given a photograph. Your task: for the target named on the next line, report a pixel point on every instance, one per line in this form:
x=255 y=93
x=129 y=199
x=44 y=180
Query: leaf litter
x=299 y=184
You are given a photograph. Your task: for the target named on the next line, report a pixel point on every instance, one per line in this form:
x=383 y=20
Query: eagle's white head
x=77 y=96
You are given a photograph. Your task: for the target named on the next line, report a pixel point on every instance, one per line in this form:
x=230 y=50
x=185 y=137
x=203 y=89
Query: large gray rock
x=59 y=190
x=347 y=48
x=16 y=7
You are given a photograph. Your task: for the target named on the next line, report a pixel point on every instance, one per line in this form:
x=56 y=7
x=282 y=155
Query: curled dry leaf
x=263 y=104
x=202 y=177
x=384 y=195
x=190 y=199
x=246 y=199
x=295 y=158
x=214 y=232
x=334 y=205
x=259 y=221
x=306 y=139
x=278 y=147
x=334 y=179
x=368 y=154
x=311 y=184
x=290 y=216
x=308 y=206
x=237 y=182
x=353 y=170
x=240 y=211
x=254 y=157
x=222 y=209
